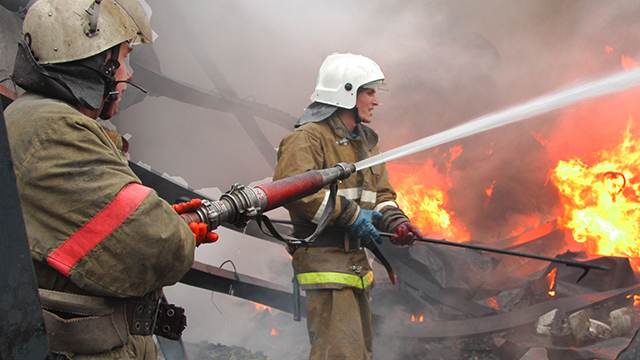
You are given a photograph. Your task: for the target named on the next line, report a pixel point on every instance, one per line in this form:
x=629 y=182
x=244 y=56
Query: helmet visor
x=377 y=85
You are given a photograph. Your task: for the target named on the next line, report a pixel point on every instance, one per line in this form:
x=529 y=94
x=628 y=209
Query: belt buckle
x=143 y=319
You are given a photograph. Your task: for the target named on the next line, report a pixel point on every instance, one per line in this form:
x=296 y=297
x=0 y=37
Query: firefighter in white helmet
x=334 y=270
x=103 y=245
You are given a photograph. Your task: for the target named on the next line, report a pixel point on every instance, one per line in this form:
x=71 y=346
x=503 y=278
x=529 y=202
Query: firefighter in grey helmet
x=334 y=270
x=103 y=245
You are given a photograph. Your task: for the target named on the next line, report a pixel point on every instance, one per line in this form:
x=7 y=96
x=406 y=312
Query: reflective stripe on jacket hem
x=327 y=277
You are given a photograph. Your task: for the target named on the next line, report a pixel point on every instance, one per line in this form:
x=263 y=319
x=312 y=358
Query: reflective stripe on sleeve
x=384 y=204
x=368 y=196
x=319 y=278
x=85 y=239
x=357 y=193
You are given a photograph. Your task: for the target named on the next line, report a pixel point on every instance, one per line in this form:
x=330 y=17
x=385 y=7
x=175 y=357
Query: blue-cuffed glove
x=363 y=229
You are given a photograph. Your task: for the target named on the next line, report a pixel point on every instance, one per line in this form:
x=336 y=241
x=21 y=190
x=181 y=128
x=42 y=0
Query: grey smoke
x=445 y=62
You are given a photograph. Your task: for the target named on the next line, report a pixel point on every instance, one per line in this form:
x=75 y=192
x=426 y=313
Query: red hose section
x=292 y=188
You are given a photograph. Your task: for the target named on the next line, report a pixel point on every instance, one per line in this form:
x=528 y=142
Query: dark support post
x=21 y=324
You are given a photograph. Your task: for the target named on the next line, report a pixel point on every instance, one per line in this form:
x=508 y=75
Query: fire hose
x=243 y=203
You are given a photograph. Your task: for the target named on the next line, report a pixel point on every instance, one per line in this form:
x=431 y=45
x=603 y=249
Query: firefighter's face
x=366 y=101
x=123 y=73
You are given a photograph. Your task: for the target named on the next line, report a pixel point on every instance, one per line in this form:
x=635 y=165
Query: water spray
x=608 y=85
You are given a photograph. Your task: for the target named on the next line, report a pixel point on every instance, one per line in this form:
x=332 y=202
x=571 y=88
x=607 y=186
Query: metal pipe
x=572 y=263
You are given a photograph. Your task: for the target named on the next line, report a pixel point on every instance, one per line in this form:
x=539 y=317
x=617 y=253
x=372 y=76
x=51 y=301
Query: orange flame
x=422 y=195
x=601 y=201
x=627 y=62
x=608 y=49
x=636 y=299
x=263 y=308
x=489 y=189
x=492 y=302
x=416 y=318
x=274 y=332
x=551 y=281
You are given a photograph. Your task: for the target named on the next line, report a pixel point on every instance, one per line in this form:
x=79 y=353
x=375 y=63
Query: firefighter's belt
x=83 y=324
x=312 y=279
x=333 y=236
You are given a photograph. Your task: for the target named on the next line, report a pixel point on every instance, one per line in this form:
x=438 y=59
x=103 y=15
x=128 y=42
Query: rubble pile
x=206 y=350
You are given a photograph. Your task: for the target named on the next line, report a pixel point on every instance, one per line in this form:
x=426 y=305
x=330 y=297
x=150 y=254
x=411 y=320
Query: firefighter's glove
x=362 y=227
x=405 y=234
x=187 y=206
x=200 y=230
x=202 y=234
x=396 y=222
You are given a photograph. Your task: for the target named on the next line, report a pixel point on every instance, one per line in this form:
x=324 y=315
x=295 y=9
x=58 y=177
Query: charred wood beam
x=247 y=287
x=500 y=322
x=245 y=118
x=161 y=85
x=14 y=5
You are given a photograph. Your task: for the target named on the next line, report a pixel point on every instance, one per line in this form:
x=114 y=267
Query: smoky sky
x=445 y=62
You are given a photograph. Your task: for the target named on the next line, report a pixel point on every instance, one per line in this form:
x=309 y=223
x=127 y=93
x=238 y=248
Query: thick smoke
x=445 y=62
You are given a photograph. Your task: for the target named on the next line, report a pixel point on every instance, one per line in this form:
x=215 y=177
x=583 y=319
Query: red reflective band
x=67 y=255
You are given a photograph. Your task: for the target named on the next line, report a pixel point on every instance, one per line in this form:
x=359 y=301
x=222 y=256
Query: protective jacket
x=93 y=229
x=317 y=145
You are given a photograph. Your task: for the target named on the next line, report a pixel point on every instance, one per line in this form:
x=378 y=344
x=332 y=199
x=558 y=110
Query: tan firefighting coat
x=322 y=145
x=68 y=172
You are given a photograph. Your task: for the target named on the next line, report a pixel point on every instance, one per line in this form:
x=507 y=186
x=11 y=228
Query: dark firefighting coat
x=93 y=229
x=321 y=145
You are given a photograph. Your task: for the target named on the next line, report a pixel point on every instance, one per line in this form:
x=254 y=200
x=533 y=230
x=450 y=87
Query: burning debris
x=518 y=306
x=601 y=201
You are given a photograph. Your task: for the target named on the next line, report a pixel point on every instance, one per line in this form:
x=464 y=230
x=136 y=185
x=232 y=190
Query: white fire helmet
x=66 y=30
x=340 y=77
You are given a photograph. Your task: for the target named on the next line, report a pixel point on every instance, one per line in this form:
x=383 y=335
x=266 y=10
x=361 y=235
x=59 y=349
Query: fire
x=263 y=308
x=636 y=299
x=422 y=195
x=493 y=303
x=601 y=200
x=489 y=189
x=551 y=282
x=628 y=63
x=416 y=318
x=608 y=49
x=274 y=332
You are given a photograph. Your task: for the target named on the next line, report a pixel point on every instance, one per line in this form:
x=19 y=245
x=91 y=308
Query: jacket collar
x=361 y=130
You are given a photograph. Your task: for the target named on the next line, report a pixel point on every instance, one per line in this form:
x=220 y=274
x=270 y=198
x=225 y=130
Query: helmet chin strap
x=113 y=94
x=109 y=71
x=356 y=115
